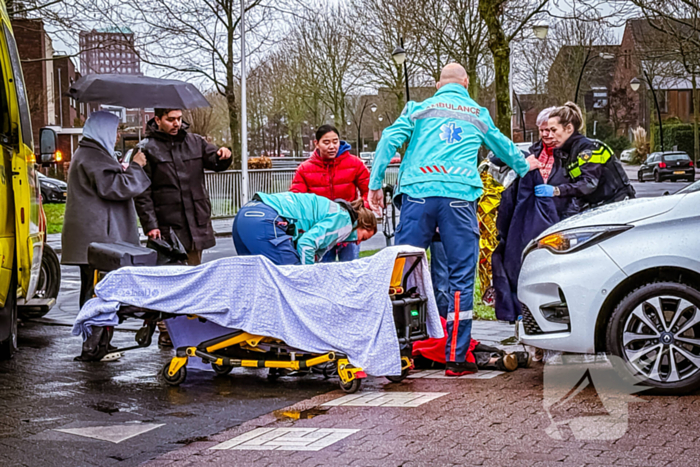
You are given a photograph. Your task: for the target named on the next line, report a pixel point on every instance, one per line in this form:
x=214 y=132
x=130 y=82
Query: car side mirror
x=48 y=143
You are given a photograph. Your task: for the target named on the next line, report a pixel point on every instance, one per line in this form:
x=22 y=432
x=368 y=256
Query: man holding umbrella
x=177 y=200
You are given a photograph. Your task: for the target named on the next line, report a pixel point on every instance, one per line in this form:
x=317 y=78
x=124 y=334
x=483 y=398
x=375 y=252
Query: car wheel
x=49 y=283
x=640 y=177
x=657 y=176
x=655 y=331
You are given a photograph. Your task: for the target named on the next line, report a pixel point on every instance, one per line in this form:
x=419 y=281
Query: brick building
x=69 y=113
x=36 y=52
x=108 y=51
x=645 y=48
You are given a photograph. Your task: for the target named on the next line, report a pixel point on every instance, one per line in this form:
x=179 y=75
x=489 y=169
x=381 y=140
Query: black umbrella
x=133 y=91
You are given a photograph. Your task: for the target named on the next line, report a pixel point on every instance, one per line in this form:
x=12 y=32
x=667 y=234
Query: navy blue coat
x=521 y=218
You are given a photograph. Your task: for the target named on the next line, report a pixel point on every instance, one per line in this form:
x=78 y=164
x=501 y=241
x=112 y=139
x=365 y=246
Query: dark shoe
x=460 y=368
x=164 y=340
x=508 y=362
x=524 y=359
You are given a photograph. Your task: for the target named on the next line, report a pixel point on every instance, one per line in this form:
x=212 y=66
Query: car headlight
x=570 y=240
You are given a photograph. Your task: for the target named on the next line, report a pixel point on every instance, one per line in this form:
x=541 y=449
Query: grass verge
x=54 y=217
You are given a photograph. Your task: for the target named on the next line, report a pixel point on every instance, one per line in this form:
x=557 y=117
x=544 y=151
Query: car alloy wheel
x=656 y=330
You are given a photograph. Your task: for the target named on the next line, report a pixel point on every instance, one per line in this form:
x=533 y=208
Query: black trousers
x=87 y=283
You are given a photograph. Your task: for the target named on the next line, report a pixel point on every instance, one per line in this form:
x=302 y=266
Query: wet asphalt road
x=43 y=389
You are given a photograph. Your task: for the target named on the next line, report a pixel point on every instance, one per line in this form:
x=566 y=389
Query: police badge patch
x=586 y=155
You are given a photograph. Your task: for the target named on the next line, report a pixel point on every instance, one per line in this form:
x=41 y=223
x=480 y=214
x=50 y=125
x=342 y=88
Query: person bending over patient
x=299 y=228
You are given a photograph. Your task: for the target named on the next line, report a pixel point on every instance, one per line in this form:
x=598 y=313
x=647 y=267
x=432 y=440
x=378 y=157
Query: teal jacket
x=445 y=133
x=319 y=223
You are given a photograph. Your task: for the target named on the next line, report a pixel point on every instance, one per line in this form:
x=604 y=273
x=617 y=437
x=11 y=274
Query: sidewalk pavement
x=494 y=420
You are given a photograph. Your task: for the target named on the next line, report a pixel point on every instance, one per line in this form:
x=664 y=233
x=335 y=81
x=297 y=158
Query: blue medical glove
x=544 y=191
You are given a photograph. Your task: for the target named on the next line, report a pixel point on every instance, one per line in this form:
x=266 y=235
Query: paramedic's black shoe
x=524 y=359
x=460 y=368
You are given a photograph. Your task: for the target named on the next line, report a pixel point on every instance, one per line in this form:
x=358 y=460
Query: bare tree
x=493 y=13
x=197 y=39
x=679 y=21
x=328 y=40
x=452 y=30
x=384 y=23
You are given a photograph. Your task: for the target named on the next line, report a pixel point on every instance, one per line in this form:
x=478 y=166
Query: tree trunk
x=500 y=49
x=234 y=126
x=472 y=63
x=696 y=118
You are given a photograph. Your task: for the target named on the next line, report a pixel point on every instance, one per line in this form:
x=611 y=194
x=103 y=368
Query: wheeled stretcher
x=238 y=348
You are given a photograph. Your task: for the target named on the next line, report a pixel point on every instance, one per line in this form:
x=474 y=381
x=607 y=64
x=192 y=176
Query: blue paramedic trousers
x=349 y=252
x=259 y=230
x=440 y=276
x=459 y=231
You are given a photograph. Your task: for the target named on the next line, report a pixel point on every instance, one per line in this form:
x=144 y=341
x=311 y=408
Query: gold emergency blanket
x=486 y=214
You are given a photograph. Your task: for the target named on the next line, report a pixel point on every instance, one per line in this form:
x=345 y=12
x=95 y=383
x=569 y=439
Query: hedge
x=680 y=135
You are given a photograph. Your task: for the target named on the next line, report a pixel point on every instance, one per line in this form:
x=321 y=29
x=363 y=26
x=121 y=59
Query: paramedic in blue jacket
x=299 y=228
x=438 y=187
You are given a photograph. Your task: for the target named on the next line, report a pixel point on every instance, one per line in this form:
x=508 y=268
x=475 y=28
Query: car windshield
x=692 y=188
x=676 y=157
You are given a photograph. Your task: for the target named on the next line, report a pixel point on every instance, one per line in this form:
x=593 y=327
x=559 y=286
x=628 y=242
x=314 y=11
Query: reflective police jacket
x=596 y=174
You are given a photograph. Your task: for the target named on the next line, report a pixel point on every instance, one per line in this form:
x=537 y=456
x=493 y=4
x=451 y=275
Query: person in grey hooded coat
x=100 y=200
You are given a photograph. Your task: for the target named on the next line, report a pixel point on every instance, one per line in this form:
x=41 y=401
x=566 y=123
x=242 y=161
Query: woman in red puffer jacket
x=332 y=172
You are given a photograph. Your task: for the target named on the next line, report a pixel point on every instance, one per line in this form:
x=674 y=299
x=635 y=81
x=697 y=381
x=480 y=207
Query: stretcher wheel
x=352 y=387
x=222 y=370
x=177 y=379
x=399 y=378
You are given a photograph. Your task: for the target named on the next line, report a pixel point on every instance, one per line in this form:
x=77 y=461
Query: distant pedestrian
x=439 y=188
x=177 y=197
x=100 y=201
x=177 y=200
x=334 y=173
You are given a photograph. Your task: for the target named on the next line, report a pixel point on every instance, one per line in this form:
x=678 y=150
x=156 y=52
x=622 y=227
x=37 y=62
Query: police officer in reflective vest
x=439 y=186
x=597 y=176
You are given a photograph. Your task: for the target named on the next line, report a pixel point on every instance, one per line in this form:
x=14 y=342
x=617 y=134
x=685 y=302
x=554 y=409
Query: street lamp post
x=603 y=55
x=373 y=108
x=399 y=56
x=635 y=84
x=244 y=115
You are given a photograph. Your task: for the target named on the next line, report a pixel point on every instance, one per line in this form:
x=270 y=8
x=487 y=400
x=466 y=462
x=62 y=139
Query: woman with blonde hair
x=595 y=174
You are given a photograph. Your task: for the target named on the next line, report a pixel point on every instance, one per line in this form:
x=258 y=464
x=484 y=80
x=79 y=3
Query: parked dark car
x=671 y=165
x=52 y=190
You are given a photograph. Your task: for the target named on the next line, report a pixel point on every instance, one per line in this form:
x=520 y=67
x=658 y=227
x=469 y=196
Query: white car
x=622 y=279
x=627 y=155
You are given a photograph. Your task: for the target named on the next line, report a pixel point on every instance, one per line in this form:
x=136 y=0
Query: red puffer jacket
x=342 y=177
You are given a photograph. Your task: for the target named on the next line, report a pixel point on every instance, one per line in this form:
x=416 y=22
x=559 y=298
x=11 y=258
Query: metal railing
x=225 y=187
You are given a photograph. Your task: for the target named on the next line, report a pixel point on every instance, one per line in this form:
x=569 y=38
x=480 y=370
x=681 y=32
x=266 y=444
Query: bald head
x=453 y=73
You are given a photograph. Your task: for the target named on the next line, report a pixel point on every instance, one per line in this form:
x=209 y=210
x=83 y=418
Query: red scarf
x=547 y=160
